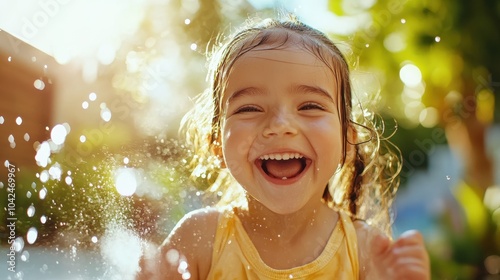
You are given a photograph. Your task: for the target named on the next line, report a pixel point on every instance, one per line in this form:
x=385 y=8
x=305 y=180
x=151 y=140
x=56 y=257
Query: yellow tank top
x=235 y=257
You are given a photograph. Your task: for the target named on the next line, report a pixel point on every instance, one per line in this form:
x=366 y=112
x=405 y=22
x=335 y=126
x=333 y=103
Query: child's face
x=281 y=131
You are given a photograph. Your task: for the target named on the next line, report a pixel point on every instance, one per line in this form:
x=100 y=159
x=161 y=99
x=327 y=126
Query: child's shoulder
x=192 y=239
x=196 y=224
x=365 y=233
x=367 y=236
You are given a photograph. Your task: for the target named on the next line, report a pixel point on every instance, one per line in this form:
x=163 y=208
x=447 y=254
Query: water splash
x=121 y=248
x=42 y=154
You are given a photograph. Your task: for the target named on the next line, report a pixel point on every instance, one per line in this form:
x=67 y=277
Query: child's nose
x=280 y=122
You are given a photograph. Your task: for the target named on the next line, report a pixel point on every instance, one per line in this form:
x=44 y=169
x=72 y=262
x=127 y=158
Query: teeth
x=282 y=156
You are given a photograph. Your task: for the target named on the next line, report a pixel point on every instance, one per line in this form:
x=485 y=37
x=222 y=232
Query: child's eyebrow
x=252 y=91
x=312 y=89
x=243 y=92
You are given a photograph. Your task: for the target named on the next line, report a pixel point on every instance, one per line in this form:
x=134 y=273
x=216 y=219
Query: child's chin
x=283 y=209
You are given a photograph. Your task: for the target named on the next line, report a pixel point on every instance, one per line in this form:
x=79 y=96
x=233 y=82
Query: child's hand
x=405 y=258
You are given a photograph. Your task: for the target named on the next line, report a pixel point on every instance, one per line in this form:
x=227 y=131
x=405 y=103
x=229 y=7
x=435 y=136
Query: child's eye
x=246 y=109
x=311 y=106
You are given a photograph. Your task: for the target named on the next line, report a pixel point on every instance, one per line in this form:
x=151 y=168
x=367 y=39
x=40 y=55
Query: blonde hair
x=365 y=184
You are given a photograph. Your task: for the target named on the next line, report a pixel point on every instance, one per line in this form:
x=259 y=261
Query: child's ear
x=216 y=149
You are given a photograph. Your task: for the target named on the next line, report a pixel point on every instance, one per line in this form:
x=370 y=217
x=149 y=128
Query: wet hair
x=365 y=184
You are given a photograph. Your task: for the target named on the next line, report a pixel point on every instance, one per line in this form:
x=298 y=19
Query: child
x=307 y=187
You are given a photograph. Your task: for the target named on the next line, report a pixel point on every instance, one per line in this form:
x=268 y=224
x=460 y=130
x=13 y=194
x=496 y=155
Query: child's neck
x=286 y=227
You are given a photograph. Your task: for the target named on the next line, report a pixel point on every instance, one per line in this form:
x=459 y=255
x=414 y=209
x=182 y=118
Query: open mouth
x=283 y=165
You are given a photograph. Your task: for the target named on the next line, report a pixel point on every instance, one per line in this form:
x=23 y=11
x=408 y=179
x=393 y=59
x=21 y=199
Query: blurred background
x=92 y=93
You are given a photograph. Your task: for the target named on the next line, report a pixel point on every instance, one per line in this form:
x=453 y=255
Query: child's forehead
x=286 y=46
x=285 y=54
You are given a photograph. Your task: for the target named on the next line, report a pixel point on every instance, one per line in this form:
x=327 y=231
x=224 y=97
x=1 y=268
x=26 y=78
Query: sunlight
x=125 y=181
x=410 y=75
x=73 y=29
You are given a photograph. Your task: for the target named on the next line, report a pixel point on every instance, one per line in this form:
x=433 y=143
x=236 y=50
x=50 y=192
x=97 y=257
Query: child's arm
x=187 y=251
x=381 y=258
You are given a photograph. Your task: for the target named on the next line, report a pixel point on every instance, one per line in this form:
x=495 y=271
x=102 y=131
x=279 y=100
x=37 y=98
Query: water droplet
x=68 y=180
x=19 y=120
x=1 y=119
x=44 y=176
x=43 y=219
x=403 y=21
x=290 y=276
x=85 y=105
x=26 y=137
x=28 y=194
x=9 y=59
x=193 y=46
x=11 y=138
x=94 y=239
x=83 y=138
x=126 y=160
x=187 y=21
x=32 y=235
x=25 y=257
x=92 y=96
x=55 y=172
x=43 y=193
x=39 y=84
x=448 y=177
x=105 y=114
x=58 y=134
x=30 y=211
x=173 y=256
x=18 y=244
x=33 y=59
x=183 y=265
x=437 y=39
x=367 y=45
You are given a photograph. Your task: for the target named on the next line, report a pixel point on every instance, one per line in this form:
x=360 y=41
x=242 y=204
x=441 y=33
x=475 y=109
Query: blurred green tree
x=438 y=63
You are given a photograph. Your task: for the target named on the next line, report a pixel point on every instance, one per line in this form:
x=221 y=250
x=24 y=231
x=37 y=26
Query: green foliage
x=455 y=46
